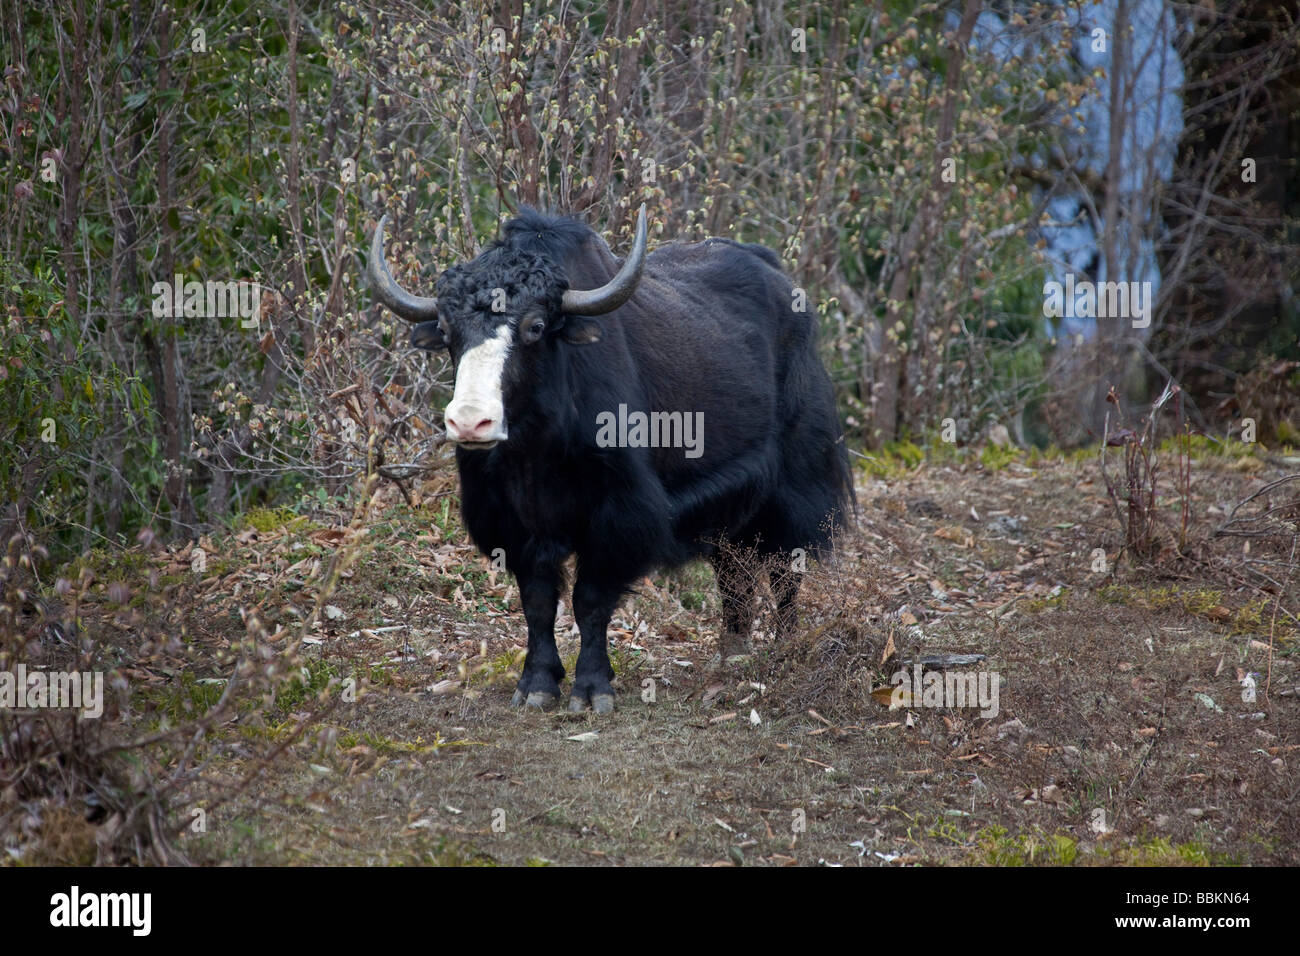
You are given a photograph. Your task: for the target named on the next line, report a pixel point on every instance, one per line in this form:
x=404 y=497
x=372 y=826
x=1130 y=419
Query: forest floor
x=1124 y=730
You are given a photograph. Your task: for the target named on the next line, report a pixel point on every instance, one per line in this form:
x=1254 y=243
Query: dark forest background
x=260 y=143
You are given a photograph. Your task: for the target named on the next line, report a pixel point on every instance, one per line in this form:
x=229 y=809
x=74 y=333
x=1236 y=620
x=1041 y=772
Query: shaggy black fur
x=710 y=329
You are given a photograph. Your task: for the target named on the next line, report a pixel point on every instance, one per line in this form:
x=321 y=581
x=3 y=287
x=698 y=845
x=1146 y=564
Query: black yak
x=636 y=415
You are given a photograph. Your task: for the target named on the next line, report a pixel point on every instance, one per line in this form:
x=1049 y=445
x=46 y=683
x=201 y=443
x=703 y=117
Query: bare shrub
x=124 y=786
x=1137 y=517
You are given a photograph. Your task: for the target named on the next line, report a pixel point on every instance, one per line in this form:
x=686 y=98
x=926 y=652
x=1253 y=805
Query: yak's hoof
x=602 y=704
x=734 y=645
x=537 y=700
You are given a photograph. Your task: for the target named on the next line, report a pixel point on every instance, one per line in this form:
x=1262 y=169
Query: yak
x=636 y=415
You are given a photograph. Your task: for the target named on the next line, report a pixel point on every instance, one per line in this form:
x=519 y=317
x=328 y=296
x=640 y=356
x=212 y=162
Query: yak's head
x=499 y=315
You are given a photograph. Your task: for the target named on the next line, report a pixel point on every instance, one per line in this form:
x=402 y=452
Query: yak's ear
x=427 y=335
x=580 y=330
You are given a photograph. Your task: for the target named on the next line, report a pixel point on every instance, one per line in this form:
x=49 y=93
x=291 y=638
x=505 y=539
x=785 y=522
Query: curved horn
x=618 y=289
x=404 y=305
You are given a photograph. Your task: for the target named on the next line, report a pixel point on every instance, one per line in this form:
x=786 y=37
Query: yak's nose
x=469 y=423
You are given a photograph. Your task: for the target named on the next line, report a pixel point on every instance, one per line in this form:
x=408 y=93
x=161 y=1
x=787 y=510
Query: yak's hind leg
x=785 y=592
x=736 y=590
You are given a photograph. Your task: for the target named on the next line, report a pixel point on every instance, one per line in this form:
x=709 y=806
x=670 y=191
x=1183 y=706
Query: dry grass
x=1122 y=735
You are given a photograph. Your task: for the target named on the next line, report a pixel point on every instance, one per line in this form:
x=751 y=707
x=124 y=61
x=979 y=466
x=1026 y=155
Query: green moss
x=312 y=678
x=627 y=661
x=906 y=452
x=996 y=847
x=693 y=585
x=272 y=732
x=1192 y=600
x=220 y=567
x=444 y=514
x=1287 y=433
x=392 y=746
x=475 y=583
x=996 y=457
x=1159 y=852
x=184 y=699
x=273 y=519
x=1257 y=618
x=947 y=830
x=893 y=460
x=1035 y=457
x=898 y=458
x=1203 y=446
x=107 y=564
x=455 y=854
x=505 y=666
x=1056 y=602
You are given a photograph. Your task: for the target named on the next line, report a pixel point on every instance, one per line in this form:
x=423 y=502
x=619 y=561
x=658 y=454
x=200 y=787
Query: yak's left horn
x=404 y=305
x=618 y=289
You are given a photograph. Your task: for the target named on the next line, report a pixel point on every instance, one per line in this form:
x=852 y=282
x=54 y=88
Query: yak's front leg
x=594 y=601
x=539 y=590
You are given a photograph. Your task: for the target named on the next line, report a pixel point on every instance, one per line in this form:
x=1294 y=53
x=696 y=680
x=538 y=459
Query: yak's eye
x=533 y=330
x=442 y=327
